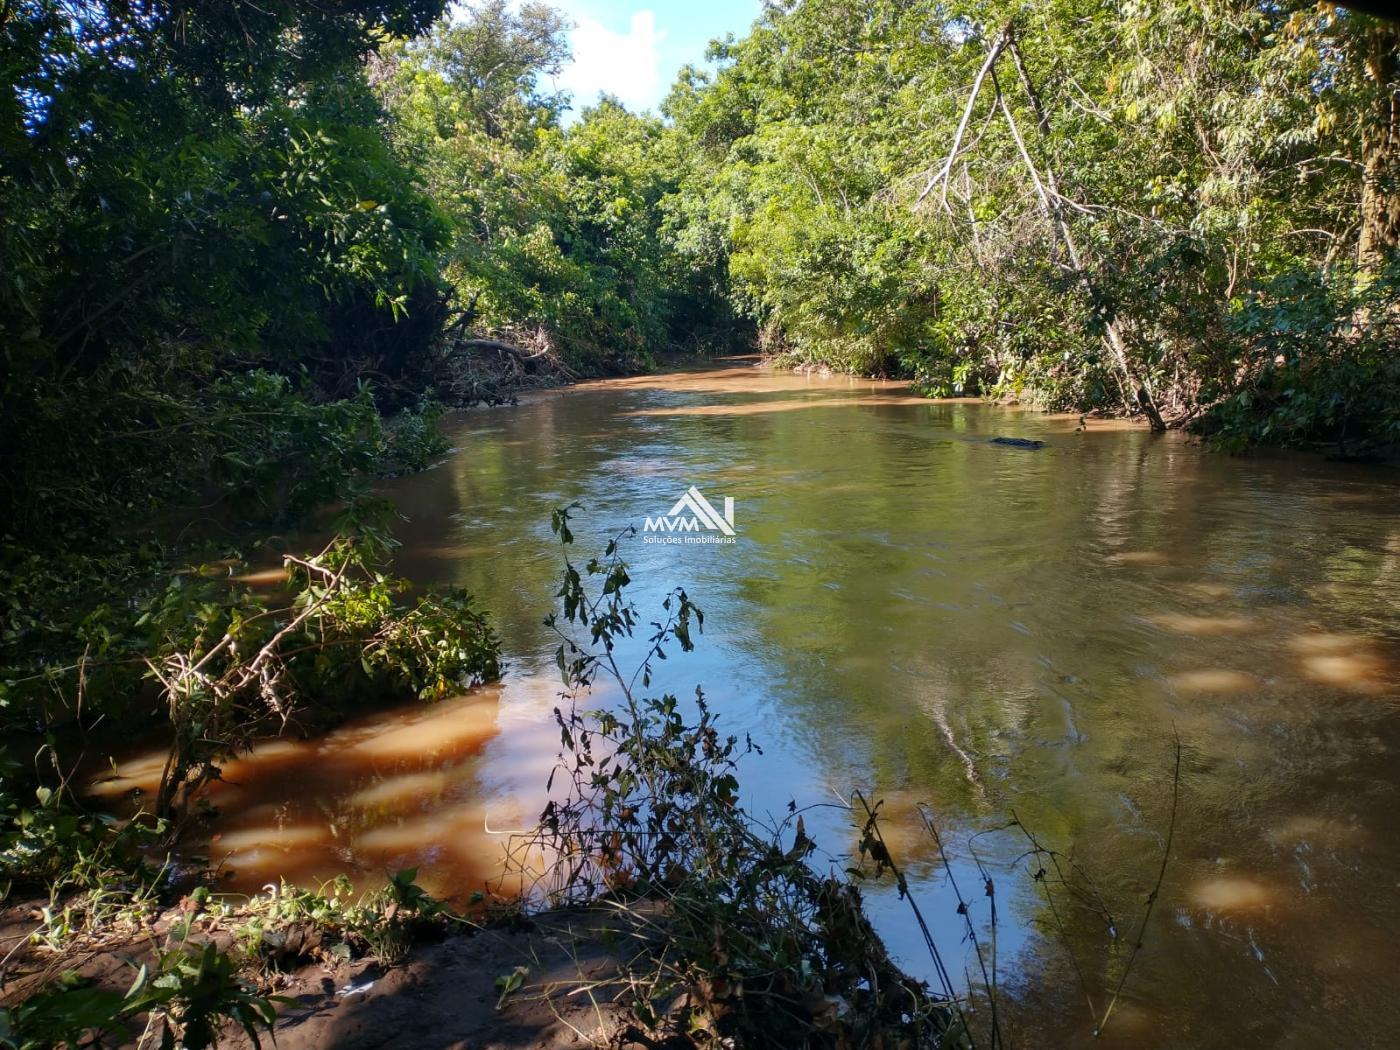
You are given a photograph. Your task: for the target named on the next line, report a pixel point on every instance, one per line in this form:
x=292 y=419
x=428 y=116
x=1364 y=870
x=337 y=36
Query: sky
x=634 y=49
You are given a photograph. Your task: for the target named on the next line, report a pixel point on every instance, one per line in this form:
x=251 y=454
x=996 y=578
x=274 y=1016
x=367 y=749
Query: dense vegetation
x=1186 y=209
x=245 y=251
x=248 y=250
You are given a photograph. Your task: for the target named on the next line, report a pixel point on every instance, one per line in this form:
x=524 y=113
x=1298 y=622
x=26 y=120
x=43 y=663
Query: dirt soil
x=443 y=995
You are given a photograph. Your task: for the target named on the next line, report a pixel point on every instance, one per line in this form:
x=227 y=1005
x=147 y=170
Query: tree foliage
x=194 y=195
x=1079 y=203
x=560 y=234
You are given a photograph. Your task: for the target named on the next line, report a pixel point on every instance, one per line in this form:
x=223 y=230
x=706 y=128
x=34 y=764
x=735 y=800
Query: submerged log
x=1029 y=443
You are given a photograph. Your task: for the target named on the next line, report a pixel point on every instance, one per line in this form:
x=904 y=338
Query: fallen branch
x=1151 y=897
x=502 y=347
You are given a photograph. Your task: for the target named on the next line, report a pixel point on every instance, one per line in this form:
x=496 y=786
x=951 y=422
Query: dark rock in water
x=1018 y=442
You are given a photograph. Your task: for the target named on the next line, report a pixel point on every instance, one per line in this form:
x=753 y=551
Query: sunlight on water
x=1139 y=558
x=397 y=791
x=1310 y=830
x=272 y=837
x=136 y=773
x=1342 y=660
x=804 y=405
x=263 y=577
x=452 y=729
x=914 y=611
x=1188 y=624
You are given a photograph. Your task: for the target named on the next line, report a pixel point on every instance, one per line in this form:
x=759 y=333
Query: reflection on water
x=914 y=611
x=398 y=789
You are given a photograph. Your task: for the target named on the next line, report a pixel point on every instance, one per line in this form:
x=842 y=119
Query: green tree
x=1086 y=205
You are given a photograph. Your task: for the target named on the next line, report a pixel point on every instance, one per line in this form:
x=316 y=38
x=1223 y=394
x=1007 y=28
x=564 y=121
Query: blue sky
x=633 y=49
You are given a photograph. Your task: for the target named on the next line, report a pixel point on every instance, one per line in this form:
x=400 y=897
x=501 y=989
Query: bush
x=742 y=939
x=1319 y=366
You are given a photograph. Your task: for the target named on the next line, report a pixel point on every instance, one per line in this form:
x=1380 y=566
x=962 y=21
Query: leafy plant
x=189 y=997
x=230 y=667
x=195 y=990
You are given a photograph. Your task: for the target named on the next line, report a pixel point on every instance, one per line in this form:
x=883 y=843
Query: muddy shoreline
x=447 y=992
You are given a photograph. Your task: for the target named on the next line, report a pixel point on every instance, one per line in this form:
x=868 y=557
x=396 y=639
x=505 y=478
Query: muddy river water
x=910 y=609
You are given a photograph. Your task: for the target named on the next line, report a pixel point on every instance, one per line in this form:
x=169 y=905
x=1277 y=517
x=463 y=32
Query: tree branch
x=943 y=173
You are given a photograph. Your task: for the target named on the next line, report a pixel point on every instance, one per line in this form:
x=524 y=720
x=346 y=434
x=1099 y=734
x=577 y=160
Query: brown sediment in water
x=901 y=825
x=383 y=788
x=1213 y=680
x=829 y=629
x=1234 y=895
x=1347 y=661
x=1185 y=623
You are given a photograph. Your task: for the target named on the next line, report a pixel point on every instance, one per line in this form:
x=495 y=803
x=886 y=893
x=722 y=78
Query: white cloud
x=627 y=65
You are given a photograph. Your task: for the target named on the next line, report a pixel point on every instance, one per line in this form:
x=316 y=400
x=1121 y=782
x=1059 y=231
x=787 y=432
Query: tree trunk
x=1380 y=152
x=1051 y=202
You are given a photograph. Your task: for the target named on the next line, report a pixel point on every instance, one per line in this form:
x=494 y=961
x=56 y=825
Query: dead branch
x=942 y=174
x=501 y=347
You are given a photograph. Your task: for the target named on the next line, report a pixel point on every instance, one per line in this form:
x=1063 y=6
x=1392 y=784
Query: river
x=909 y=609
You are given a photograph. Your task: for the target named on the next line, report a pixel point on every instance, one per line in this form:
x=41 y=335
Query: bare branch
x=1002 y=39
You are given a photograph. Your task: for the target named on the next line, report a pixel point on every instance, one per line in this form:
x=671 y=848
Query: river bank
x=448 y=991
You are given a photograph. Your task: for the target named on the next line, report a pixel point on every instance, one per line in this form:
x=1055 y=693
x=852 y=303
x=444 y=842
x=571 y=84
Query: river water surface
x=911 y=610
